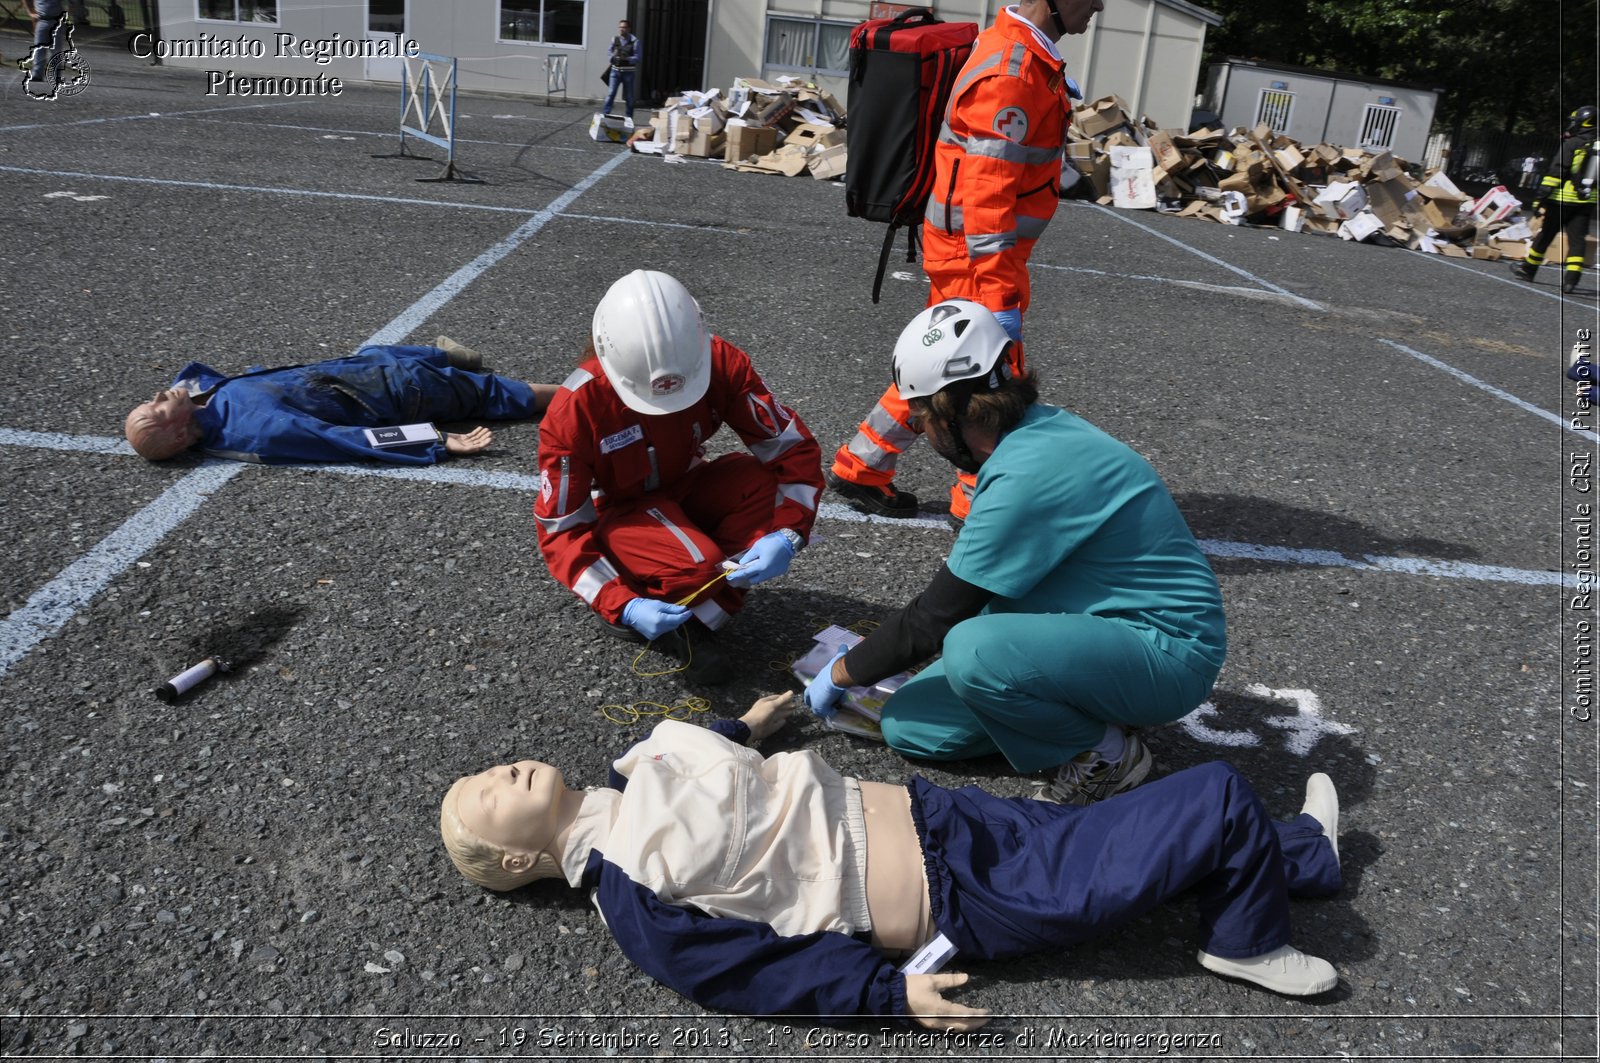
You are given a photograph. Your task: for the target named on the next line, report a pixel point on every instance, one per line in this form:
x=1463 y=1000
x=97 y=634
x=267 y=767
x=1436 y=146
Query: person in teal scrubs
x=1075 y=605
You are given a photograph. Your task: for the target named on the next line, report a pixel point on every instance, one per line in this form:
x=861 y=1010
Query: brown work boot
x=461 y=357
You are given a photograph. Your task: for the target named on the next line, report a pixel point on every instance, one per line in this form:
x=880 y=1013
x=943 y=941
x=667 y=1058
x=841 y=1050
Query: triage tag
x=930 y=957
x=401 y=435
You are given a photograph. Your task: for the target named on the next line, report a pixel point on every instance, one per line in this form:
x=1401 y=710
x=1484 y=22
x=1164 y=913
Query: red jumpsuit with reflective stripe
x=996 y=185
x=629 y=506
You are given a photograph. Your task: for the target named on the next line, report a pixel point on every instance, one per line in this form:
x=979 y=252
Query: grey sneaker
x=1283 y=970
x=1085 y=778
x=460 y=355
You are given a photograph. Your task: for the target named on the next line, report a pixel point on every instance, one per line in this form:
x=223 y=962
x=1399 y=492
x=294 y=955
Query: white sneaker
x=1283 y=970
x=1322 y=805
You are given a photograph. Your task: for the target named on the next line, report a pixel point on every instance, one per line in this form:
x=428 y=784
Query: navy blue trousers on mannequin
x=1009 y=876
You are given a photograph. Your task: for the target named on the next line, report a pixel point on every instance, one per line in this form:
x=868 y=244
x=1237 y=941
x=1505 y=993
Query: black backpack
x=901 y=73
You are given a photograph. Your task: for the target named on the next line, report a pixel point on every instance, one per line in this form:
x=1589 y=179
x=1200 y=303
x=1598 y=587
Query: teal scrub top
x=1067 y=519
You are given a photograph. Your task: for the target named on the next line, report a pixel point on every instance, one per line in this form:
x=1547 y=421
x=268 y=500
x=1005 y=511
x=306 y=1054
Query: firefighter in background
x=997 y=182
x=1567 y=197
x=632 y=517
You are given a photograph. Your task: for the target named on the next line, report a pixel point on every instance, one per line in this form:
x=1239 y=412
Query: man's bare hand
x=768 y=715
x=926 y=1003
x=472 y=442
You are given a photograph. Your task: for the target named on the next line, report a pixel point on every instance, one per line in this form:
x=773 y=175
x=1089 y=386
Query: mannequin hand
x=1011 y=321
x=926 y=1003
x=468 y=442
x=822 y=697
x=768 y=715
x=768 y=559
x=651 y=618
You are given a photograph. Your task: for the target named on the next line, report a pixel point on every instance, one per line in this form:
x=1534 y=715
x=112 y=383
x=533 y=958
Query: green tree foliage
x=1512 y=65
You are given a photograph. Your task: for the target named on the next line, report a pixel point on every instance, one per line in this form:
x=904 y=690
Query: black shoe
x=956 y=523
x=1523 y=271
x=884 y=501
x=1569 y=282
x=695 y=645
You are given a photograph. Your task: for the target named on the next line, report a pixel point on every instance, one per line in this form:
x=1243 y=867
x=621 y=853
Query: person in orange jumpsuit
x=997 y=181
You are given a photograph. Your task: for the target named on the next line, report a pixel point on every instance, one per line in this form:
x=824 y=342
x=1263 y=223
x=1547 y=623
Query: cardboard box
x=610 y=128
x=747 y=140
x=809 y=135
x=1289 y=157
x=1486 y=252
x=1101 y=116
x=1387 y=199
x=1293 y=219
x=1441 y=213
x=829 y=162
x=1081 y=156
x=1361 y=226
x=1168 y=157
x=1342 y=200
x=1494 y=205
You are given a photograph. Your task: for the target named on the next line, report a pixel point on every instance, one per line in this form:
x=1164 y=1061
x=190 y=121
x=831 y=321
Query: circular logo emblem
x=931 y=337
x=1012 y=123
x=667 y=384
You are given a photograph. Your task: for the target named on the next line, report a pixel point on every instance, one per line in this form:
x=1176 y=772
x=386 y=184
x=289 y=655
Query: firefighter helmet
x=948 y=342
x=652 y=343
x=1582 y=118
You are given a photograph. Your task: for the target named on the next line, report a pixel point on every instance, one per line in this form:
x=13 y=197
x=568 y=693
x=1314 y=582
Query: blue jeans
x=623 y=78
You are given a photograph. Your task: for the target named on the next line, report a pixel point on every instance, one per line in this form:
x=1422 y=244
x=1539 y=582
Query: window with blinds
x=1274 y=108
x=1378 y=125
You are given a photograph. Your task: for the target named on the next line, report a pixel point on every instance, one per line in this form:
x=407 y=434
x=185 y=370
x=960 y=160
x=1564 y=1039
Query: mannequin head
x=163 y=427
x=505 y=827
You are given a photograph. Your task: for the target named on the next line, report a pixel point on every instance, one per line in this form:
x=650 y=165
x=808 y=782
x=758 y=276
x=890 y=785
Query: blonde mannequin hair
x=481 y=862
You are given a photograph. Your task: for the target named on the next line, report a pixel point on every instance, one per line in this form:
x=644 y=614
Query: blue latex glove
x=1073 y=90
x=822 y=697
x=1011 y=321
x=767 y=559
x=652 y=619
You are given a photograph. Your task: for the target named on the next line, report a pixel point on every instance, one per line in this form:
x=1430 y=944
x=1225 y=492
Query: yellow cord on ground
x=626 y=714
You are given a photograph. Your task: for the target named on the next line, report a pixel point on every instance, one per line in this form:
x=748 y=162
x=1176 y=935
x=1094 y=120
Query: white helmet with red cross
x=653 y=343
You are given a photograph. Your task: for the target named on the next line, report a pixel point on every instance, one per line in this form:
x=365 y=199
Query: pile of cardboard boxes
x=1254 y=177
x=787 y=127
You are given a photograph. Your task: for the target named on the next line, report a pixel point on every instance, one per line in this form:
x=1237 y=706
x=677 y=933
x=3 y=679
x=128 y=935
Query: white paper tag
x=930 y=957
x=401 y=435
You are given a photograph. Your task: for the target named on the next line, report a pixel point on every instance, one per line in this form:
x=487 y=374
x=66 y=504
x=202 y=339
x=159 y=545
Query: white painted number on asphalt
x=1305 y=728
x=77 y=196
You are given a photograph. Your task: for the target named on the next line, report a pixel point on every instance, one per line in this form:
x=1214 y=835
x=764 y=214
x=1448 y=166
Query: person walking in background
x=624 y=67
x=1566 y=195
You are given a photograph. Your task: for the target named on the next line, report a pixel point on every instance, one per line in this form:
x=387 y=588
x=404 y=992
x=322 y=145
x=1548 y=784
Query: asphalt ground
x=1371 y=444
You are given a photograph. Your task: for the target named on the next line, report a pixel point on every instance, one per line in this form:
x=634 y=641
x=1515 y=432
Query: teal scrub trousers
x=1039 y=689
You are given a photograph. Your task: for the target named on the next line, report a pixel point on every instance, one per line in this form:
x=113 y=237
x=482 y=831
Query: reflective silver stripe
x=890 y=430
x=804 y=494
x=990 y=243
x=970 y=75
x=936 y=212
x=593 y=579
x=1014 y=66
x=576 y=379
x=653 y=481
x=561 y=496
x=1002 y=149
x=1031 y=228
x=688 y=543
x=710 y=614
x=557 y=525
x=770 y=450
x=872 y=455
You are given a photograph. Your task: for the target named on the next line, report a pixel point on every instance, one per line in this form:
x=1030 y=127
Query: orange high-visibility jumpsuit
x=997 y=182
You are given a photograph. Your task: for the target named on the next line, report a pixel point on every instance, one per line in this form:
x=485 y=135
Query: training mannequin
x=318 y=412
x=776 y=886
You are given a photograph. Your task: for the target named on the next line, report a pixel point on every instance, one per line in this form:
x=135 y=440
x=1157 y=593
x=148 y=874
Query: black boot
x=884 y=501
x=1523 y=271
x=1569 y=281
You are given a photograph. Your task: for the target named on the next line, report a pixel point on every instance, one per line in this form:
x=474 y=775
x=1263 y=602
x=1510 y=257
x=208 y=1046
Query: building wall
x=1326 y=109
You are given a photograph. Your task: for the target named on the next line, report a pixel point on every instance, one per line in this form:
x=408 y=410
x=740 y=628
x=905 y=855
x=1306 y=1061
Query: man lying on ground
x=777 y=886
x=321 y=412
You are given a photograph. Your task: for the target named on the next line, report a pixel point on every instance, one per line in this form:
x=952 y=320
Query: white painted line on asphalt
x=413 y=316
x=1411 y=566
x=213 y=186
x=140 y=117
x=1215 y=261
x=657 y=224
x=391 y=133
x=1495 y=276
x=1218 y=289
x=58 y=601
x=834 y=511
x=1491 y=389
x=54 y=604
x=16 y=437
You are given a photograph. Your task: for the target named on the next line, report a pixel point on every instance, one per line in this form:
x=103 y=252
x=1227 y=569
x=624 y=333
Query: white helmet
x=653 y=343
x=950 y=341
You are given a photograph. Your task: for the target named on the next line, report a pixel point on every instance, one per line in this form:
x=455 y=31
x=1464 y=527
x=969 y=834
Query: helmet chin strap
x=1055 y=16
